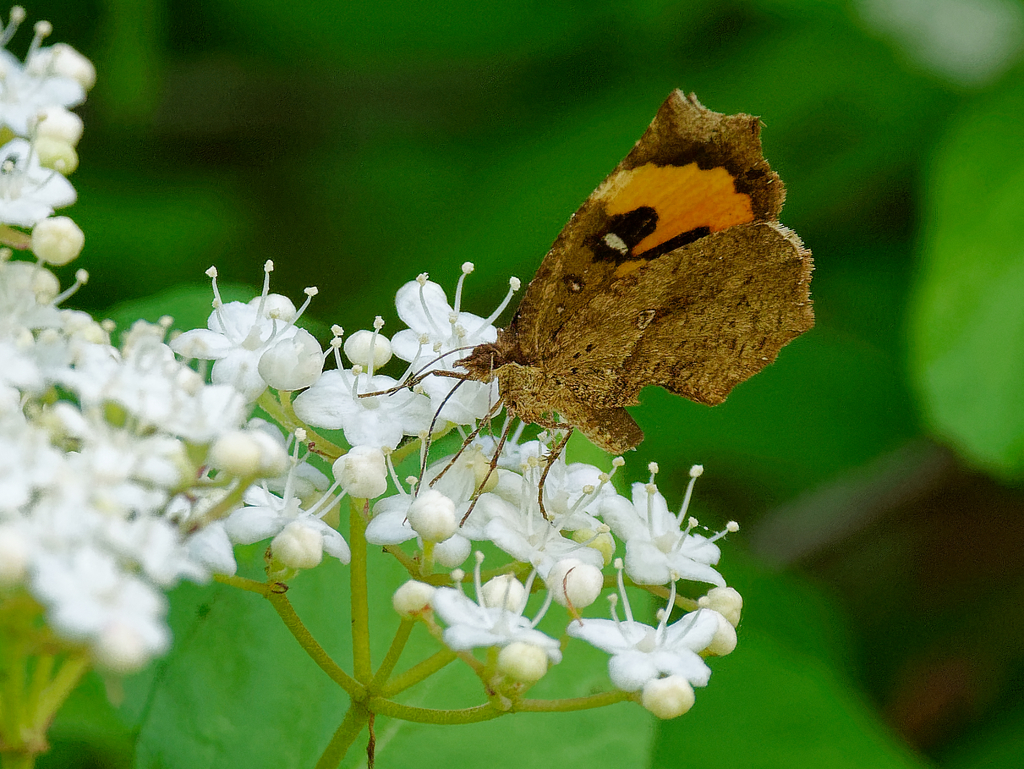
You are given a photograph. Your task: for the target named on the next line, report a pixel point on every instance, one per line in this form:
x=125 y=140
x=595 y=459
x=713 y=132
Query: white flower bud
x=273 y=455
x=357 y=349
x=573 y=582
x=14 y=556
x=236 y=453
x=275 y=306
x=60 y=124
x=120 y=649
x=432 y=516
x=725 y=638
x=362 y=472
x=505 y=591
x=412 y=598
x=298 y=546
x=43 y=283
x=249 y=452
x=56 y=154
x=57 y=240
x=726 y=601
x=293 y=363
x=523 y=662
x=668 y=697
x=66 y=61
x=452 y=552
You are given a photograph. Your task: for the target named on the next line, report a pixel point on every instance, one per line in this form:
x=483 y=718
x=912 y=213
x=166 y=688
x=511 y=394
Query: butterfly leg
x=465 y=444
x=490 y=470
x=553 y=456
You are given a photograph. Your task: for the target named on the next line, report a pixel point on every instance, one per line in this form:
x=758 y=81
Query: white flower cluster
x=465 y=498
x=123 y=471
x=38 y=136
x=97 y=443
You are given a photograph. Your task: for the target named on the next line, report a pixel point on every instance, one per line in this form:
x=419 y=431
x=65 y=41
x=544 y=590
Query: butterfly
x=674 y=272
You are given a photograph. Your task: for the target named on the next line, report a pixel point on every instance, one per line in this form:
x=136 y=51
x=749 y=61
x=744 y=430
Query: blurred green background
x=875 y=469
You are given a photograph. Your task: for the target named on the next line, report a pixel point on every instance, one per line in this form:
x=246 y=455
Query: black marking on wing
x=680 y=240
x=618 y=239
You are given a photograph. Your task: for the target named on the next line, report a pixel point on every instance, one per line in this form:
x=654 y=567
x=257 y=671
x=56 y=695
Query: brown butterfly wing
x=695 y=167
x=674 y=272
x=697 y=321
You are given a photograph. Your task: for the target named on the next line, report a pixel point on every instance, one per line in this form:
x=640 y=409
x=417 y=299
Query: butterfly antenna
x=422 y=374
x=433 y=424
x=553 y=456
x=490 y=470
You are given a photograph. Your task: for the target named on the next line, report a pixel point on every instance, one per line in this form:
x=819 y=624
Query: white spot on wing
x=614 y=241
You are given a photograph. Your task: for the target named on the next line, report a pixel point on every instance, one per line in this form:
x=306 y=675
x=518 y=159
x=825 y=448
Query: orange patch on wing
x=685 y=198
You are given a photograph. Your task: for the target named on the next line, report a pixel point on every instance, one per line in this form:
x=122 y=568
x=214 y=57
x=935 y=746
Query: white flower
x=362 y=472
x=574 y=583
x=59 y=124
x=462 y=476
x=432 y=516
x=726 y=601
x=249 y=452
x=668 y=697
x=57 y=240
x=522 y=531
x=412 y=597
x=88 y=597
x=382 y=420
x=436 y=331
x=641 y=653
x=369 y=349
x=656 y=548
x=267 y=515
x=26 y=90
x=293 y=362
x=237 y=335
x=211 y=548
x=472 y=625
x=28 y=192
x=156 y=389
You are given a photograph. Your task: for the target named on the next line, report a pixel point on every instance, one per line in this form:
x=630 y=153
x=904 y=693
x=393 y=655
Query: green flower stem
x=55 y=694
x=309 y=644
x=360 y=592
x=391 y=658
x=242 y=583
x=687 y=604
x=409 y=563
x=42 y=672
x=346 y=733
x=15 y=239
x=419 y=672
x=472 y=715
x=274 y=592
x=427 y=562
x=571 y=704
x=13 y=669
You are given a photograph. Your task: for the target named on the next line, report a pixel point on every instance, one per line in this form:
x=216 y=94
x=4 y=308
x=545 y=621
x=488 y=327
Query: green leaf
x=783 y=698
x=236 y=689
x=967 y=323
x=1000 y=745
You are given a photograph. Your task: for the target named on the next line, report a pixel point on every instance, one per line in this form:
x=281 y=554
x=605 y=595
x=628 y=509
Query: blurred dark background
x=875 y=469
